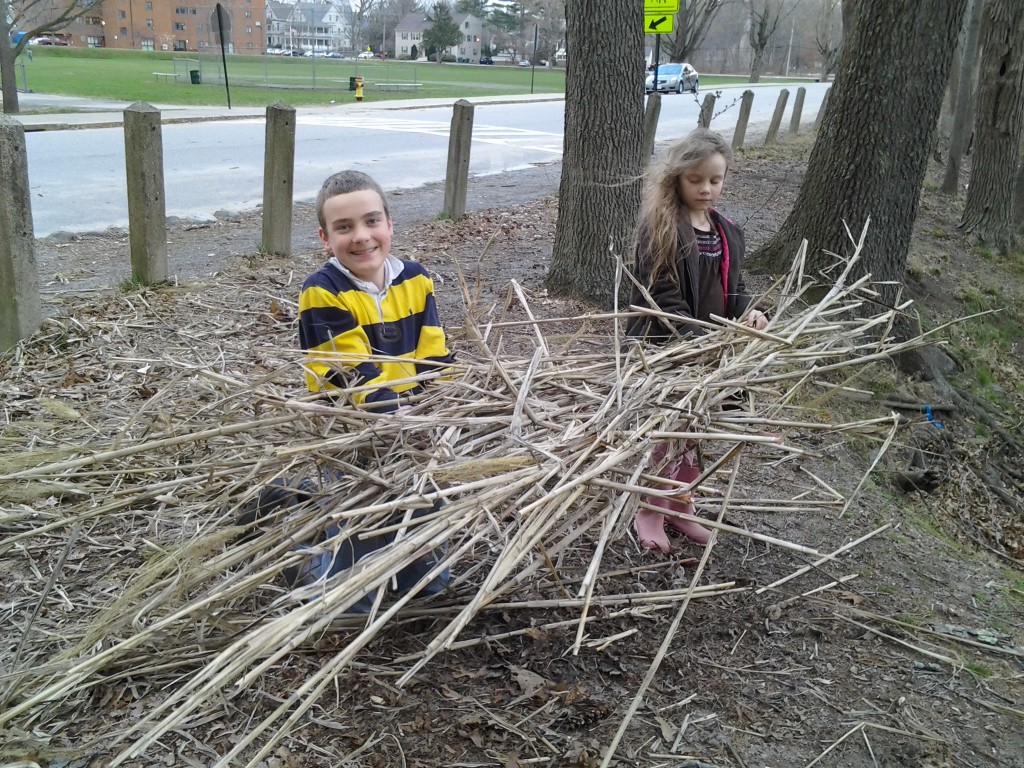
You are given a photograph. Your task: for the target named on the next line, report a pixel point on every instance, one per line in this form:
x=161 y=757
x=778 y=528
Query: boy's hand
x=757 y=320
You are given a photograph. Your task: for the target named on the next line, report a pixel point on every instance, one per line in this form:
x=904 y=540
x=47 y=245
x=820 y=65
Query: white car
x=366 y=55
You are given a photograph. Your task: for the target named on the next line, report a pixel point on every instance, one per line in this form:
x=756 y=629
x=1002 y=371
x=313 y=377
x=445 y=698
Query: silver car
x=674 y=77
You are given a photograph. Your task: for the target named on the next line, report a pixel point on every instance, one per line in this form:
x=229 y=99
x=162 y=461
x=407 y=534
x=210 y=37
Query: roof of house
x=418 y=22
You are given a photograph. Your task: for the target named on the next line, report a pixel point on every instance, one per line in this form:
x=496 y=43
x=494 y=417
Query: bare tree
x=963 y=108
x=693 y=20
x=828 y=36
x=382 y=17
x=872 y=150
x=30 y=18
x=998 y=123
x=765 y=16
x=599 y=194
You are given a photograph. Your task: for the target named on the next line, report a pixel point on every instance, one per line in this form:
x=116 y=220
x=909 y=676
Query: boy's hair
x=342 y=183
x=662 y=207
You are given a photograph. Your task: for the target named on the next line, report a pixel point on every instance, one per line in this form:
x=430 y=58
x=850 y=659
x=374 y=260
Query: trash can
x=352 y=83
x=194 y=75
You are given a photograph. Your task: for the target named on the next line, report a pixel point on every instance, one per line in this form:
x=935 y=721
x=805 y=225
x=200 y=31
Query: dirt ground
x=906 y=650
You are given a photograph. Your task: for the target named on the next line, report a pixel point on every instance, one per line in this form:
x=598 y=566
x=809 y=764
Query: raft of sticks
x=138 y=429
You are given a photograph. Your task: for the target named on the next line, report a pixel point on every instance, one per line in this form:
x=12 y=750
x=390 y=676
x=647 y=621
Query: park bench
x=397 y=86
x=169 y=76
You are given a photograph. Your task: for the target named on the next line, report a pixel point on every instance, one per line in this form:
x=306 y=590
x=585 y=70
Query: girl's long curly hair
x=662 y=208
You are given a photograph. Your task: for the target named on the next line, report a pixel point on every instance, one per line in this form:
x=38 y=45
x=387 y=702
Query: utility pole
x=789 y=52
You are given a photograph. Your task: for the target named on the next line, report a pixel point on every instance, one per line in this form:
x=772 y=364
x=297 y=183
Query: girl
x=689 y=257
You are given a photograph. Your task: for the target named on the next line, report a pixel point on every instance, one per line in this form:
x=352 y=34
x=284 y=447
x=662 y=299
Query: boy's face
x=358 y=233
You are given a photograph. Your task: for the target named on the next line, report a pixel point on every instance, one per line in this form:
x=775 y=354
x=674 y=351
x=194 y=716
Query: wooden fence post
x=746 y=102
x=20 y=305
x=456 y=179
x=821 y=109
x=707 y=111
x=798 y=108
x=652 y=111
x=780 y=107
x=278 y=179
x=147 y=209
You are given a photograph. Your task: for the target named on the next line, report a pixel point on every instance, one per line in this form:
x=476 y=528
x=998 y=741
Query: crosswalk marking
x=541 y=141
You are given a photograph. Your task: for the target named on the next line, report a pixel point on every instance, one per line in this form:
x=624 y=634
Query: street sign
x=660 y=6
x=658 y=24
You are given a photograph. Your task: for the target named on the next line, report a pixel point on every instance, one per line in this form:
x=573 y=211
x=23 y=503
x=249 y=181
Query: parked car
x=524 y=63
x=365 y=55
x=486 y=60
x=333 y=55
x=674 y=77
x=49 y=41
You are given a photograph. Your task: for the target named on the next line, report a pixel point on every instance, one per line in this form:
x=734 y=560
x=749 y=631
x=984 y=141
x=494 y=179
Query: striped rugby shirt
x=343 y=322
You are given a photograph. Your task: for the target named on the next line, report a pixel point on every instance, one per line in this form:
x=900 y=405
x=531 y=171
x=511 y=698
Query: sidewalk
x=89 y=113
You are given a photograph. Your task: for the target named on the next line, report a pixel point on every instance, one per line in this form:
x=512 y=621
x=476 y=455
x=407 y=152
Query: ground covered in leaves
x=904 y=647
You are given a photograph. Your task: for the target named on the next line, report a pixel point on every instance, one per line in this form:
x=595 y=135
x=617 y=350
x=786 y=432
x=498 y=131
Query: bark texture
x=872 y=150
x=963 y=108
x=8 y=54
x=599 y=193
x=998 y=122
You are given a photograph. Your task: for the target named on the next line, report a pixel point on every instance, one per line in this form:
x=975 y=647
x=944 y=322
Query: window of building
x=469 y=38
x=93 y=20
x=147 y=44
x=122 y=15
x=405 y=35
x=179 y=27
x=181 y=10
x=94 y=41
x=248 y=14
x=149 y=23
x=193 y=11
x=250 y=45
x=248 y=30
x=123 y=31
x=181 y=45
x=149 y=6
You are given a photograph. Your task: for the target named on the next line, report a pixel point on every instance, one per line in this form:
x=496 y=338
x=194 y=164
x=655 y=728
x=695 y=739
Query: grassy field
x=260 y=80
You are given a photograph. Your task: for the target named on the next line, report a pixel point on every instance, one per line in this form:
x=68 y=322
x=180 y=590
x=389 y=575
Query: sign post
x=658 y=20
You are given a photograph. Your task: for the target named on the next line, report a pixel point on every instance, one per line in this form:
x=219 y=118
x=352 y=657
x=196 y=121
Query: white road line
x=541 y=141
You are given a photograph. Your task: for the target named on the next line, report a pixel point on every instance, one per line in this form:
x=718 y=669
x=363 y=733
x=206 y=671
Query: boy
x=362 y=303
x=365 y=302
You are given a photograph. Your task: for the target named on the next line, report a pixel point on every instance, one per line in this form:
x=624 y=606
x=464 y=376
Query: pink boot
x=686 y=469
x=650 y=528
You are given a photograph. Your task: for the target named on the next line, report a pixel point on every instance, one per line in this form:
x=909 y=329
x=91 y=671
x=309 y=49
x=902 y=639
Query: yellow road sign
x=658 y=23
x=660 y=6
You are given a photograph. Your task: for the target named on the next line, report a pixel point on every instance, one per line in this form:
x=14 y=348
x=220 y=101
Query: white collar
x=392 y=269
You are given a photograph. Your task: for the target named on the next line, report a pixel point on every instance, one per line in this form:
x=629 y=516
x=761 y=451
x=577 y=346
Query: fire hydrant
x=359 y=89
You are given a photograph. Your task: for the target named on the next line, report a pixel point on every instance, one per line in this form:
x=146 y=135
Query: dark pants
x=343 y=554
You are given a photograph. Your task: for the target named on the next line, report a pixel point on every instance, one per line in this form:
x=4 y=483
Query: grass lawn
x=260 y=80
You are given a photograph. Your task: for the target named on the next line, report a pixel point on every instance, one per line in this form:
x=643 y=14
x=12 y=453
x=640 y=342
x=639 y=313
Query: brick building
x=170 y=25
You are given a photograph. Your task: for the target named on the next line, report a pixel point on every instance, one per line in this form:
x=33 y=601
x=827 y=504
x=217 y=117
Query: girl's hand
x=757 y=320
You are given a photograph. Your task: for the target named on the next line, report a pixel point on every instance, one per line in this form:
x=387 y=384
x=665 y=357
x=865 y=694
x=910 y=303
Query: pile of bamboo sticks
x=130 y=450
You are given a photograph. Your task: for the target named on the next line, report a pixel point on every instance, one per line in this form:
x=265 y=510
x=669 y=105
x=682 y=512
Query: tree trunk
x=599 y=193
x=999 y=120
x=871 y=153
x=756 y=63
x=963 y=110
x=8 y=75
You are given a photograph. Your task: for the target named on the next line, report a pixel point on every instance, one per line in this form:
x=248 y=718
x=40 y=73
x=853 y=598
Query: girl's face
x=700 y=185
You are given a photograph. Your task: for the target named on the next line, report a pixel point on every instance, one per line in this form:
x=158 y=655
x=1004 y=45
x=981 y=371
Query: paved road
x=77 y=177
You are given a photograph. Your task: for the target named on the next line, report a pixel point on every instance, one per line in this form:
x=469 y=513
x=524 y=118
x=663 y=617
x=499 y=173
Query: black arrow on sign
x=657 y=22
